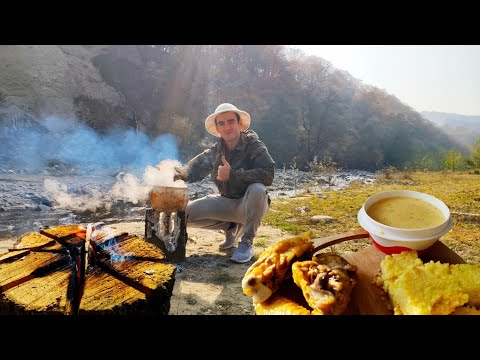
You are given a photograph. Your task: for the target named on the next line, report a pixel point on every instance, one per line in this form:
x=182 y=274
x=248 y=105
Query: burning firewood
x=84 y=269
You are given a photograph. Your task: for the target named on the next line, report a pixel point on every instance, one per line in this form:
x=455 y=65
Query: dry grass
x=459 y=191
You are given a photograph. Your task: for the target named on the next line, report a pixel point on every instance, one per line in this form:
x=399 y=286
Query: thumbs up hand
x=223 y=173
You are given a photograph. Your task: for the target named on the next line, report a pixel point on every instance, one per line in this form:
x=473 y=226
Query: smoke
x=58 y=192
x=162 y=174
x=70 y=146
x=127 y=187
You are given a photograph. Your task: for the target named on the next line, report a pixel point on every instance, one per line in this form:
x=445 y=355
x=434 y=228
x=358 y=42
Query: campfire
x=94 y=268
x=85 y=269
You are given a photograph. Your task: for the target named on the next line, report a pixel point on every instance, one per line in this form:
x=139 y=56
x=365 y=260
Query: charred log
x=168 y=231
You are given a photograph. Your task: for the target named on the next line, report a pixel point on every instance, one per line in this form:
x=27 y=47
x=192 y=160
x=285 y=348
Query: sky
x=443 y=78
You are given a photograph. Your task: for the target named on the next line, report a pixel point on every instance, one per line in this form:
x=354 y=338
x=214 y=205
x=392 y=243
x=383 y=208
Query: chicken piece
x=333 y=261
x=326 y=286
x=273 y=266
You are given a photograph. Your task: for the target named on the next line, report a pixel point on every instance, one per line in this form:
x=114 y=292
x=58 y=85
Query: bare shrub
x=389 y=171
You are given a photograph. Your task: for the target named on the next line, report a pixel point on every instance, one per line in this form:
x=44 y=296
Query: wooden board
x=368 y=298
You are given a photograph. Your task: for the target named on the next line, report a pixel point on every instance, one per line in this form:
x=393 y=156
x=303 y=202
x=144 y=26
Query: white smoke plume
x=162 y=174
x=59 y=193
x=127 y=188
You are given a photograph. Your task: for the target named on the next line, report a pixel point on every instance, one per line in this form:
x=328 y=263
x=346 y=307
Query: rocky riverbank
x=28 y=201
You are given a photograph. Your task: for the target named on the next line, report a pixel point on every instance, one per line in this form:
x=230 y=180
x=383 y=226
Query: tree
x=473 y=161
x=452 y=160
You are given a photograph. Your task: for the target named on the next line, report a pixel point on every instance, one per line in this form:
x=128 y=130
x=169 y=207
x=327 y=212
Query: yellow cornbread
x=394 y=265
x=424 y=290
x=469 y=277
x=416 y=288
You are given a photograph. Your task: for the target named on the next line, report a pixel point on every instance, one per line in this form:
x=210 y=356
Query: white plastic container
x=391 y=240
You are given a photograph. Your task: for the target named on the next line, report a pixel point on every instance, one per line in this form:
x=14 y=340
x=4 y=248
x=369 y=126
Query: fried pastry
x=326 y=282
x=273 y=266
x=278 y=304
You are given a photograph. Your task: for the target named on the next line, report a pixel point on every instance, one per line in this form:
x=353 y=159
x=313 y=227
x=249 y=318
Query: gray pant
x=217 y=212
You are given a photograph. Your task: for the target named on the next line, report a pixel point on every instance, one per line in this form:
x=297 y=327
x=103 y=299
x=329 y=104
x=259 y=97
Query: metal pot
x=168 y=198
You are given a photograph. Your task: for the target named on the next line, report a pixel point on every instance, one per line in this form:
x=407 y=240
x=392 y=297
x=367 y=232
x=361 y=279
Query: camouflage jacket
x=250 y=162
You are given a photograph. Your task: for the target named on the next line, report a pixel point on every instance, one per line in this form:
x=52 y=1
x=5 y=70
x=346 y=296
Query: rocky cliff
x=38 y=81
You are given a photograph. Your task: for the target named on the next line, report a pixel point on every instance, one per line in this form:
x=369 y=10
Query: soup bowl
x=407 y=227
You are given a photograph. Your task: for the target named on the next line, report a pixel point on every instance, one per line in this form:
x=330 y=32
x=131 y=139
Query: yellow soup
x=406 y=213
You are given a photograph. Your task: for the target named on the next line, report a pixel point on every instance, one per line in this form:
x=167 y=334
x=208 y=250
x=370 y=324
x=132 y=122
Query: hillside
x=465 y=128
x=62 y=103
x=38 y=81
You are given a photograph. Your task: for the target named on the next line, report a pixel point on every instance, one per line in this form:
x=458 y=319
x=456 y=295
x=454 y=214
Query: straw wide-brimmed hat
x=210 y=120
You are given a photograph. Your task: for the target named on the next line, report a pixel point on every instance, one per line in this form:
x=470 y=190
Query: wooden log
x=13 y=255
x=143 y=267
x=152 y=217
x=47 y=273
x=64 y=231
x=34 y=264
x=52 y=294
x=133 y=247
x=106 y=294
x=38 y=242
x=33 y=240
x=173 y=244
x=105 y=236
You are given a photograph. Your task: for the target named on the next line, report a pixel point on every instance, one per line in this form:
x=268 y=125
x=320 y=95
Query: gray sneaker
x=230 y=239
x=244 y=252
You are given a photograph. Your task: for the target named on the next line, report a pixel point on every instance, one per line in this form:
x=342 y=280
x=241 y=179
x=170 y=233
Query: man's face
x=228 y=126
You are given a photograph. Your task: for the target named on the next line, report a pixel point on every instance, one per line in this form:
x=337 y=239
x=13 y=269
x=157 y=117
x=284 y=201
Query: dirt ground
x=207 y=282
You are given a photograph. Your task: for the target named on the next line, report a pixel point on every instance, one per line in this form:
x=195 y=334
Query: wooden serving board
x=367 y=297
